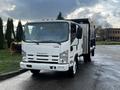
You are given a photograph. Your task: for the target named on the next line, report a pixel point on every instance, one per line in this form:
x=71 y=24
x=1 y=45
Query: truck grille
x=43 y=62
x=30 y=54
x=43 y=58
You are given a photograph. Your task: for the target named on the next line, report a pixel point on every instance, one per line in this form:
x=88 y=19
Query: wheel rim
x=74 y=67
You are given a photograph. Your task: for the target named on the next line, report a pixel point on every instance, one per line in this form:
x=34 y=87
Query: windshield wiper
x=36 y=41
x=32 y=41
x=49 y=41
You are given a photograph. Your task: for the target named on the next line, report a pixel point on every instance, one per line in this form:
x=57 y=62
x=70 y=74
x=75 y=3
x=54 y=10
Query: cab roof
x=45 y=21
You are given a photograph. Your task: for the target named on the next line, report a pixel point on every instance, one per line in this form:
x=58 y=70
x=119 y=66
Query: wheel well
x=76 y=58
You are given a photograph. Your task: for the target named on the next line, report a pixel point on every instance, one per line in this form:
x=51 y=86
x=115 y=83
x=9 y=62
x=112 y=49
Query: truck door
x=73 y=40
x=80 y=42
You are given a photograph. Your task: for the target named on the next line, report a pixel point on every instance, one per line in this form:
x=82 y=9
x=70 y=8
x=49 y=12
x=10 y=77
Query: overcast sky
x=105 y=12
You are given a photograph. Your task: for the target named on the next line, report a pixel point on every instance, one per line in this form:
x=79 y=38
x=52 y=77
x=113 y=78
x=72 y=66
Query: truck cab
x=52 y=45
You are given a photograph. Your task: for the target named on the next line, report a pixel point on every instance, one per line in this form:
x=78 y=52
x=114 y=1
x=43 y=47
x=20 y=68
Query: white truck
x=57 y=45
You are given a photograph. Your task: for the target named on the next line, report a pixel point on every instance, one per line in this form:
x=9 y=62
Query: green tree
x=1 y=35
x=19 y=32
x=60 y=17
x=9 y=35
x=12 y=28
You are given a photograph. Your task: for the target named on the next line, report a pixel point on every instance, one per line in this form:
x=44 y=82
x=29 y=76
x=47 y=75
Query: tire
x=93 y=52
x=35 y=72
x=76 y=59
x=72 y=70
x=87 y=58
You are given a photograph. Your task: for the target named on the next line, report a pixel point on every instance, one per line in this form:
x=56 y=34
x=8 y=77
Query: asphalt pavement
x=103 y=73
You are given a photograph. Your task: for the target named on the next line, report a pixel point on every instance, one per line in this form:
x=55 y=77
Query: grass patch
x=107 y=43
x=9 y=62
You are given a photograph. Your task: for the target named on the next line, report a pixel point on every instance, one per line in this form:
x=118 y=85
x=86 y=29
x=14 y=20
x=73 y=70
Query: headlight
x=64 y=57
x=23 y=56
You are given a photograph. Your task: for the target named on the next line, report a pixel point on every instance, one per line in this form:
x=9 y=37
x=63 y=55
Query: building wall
x=111 y=34
x=114 y=34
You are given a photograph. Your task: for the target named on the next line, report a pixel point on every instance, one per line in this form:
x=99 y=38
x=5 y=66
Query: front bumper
x=44 y=66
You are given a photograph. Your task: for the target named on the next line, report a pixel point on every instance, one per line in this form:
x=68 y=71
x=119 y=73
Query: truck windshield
x=46 y=32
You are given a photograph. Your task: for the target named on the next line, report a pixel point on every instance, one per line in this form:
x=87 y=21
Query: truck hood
x=41 y=49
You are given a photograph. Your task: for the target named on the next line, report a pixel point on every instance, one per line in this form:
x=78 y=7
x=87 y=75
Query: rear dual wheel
x=87 y=58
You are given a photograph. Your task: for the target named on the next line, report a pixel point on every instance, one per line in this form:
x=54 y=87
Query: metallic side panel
x=85 y=37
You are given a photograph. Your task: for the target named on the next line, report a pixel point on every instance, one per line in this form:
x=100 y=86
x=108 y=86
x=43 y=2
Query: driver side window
x=73 y=32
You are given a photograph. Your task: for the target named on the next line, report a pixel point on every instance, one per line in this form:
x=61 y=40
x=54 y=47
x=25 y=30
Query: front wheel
x=35 y=72
x=73 y=69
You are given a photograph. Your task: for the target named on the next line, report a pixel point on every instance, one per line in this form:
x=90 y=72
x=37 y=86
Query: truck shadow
x=83 y=68
x=54 y=80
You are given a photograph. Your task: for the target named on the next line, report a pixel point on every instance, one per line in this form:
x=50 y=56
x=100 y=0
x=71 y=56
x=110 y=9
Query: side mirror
x=79 y=33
